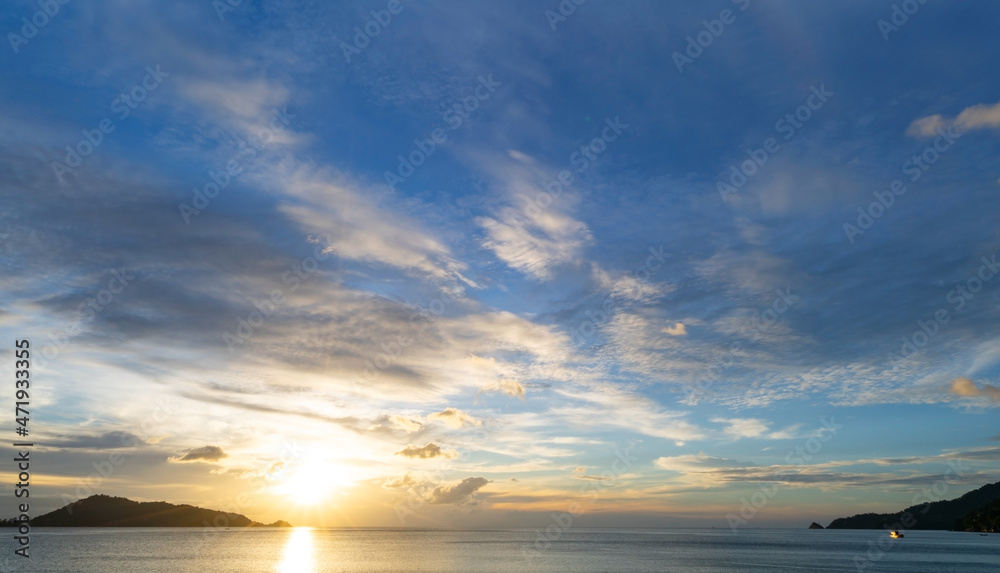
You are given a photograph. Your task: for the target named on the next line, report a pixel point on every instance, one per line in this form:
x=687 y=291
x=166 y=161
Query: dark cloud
x=405 y=481
x=186 y=283
x=459 y=492
x=431 y=450
x=105 y=441
x=346 y=421
x=202 y=454
x=982 y=454
x=788 y=475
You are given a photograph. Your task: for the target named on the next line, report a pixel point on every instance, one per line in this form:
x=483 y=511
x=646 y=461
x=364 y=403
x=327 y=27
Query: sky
x=473 y=265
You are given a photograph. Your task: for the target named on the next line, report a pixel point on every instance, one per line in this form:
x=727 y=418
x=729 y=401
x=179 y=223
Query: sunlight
x=315 y=481
x=298 y=557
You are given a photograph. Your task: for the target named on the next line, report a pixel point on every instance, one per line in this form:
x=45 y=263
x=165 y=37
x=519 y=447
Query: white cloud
x=743 y=427
x=529 y=236
x=534 y=246
x=677 y=329
x=982 y=116
x=696 y=463
x=967 y=389
x=248 y=103
x=455 y=418
x=512 y=388
x=629 y=287
x=356 y=227
x=406 y=423
x=612 y=408
x=788 y=433
x=755 y=271
x=641 y=346
x=926 y=126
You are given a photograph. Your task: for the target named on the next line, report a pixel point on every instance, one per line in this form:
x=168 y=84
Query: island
x=108 y=511
x=977 y=510
x=985 y=520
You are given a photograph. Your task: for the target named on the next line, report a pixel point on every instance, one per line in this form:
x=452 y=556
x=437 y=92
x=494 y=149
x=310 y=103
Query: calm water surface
x=136 y=550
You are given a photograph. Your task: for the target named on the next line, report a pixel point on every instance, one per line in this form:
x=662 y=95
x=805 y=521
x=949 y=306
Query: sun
x=314 y=482
x=307 y=488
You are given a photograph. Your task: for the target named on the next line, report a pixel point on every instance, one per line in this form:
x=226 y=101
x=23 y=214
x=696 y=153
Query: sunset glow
x=486 y=265
x=315 y=482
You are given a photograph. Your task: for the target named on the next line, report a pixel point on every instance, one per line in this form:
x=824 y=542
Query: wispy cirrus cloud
x=981 y=116
x=531 y=239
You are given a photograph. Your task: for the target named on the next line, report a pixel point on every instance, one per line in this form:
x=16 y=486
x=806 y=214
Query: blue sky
x=469 y=342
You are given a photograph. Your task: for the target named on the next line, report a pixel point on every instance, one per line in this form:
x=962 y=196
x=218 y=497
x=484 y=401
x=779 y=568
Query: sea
x=304 y=550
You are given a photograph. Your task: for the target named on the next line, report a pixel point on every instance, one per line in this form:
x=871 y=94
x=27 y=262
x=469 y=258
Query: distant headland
x=108 y=511
x=978 y=510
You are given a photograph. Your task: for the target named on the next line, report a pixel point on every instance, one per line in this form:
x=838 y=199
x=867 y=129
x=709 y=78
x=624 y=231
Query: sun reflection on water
x=298 y=557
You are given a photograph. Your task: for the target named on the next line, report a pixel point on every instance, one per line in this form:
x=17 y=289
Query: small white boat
x=896 y=534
